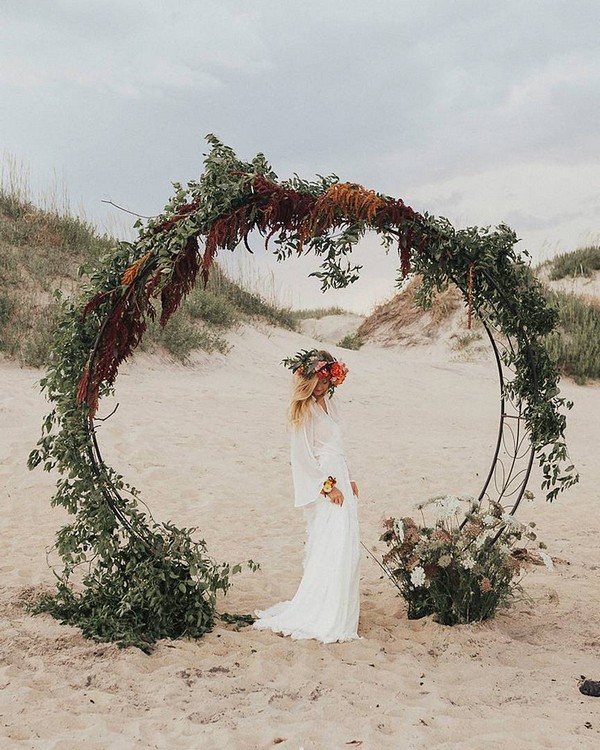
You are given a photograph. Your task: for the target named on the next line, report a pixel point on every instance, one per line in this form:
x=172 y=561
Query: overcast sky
x=479 y=111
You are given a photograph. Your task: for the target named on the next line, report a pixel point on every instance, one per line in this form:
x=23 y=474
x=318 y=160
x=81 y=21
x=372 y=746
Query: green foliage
x=581 y=262
x=508 y=297
x=575 y=347
x=461 y=567
x=143 y=580
x=351 y=341
x=149 y=591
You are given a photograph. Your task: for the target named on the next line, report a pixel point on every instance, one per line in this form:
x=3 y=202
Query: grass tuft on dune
x=42 y=251
x=584 y=261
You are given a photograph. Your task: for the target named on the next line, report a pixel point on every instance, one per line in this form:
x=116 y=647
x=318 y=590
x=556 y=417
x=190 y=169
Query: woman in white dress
x=326 y=604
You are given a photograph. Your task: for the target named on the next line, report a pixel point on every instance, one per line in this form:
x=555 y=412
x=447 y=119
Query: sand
x=207 y=446
x=584 y=286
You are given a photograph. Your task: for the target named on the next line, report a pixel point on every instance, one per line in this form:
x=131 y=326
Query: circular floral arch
x=139 y=580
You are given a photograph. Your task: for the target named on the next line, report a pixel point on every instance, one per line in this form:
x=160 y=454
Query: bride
x=326 y=604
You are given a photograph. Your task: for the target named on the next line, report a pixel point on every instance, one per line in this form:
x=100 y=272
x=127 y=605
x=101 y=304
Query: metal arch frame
x=513 y=442
x=512 y=460
x=514 y=452
x=511 y=483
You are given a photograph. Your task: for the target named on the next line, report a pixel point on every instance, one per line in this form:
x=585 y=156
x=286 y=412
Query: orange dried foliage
x=131 y=273
x=352 y=200
x=83 y=385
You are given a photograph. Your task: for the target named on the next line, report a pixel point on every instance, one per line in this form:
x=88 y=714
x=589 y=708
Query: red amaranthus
x=273 y=209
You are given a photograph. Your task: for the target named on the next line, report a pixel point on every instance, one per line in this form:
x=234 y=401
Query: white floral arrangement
x=465 y=563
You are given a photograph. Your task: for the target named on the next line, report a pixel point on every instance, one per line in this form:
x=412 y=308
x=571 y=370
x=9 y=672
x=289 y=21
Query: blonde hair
x=302 y=391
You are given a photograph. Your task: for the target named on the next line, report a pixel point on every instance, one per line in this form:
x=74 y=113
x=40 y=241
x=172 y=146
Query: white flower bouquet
x=462 y=565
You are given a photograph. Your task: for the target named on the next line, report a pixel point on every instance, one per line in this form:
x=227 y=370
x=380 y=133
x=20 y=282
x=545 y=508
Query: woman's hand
x=336 y=496
x=354 y=488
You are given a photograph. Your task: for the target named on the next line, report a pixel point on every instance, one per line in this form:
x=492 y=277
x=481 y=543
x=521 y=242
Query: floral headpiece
x=310 y=362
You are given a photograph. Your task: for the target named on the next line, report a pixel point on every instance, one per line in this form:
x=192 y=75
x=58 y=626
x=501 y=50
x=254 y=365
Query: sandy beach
x=207 y=446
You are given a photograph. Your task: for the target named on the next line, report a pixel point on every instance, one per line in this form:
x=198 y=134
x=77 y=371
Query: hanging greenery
x=144 y=580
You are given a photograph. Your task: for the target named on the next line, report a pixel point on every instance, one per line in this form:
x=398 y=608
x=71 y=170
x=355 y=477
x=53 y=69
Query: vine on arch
x=144 y=580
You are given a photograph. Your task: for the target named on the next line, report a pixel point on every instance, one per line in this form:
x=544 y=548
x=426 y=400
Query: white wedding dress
x=326 y=604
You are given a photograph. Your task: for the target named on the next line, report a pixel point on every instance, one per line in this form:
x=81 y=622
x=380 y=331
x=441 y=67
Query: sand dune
x=207 y=446
x=331 y=329
x=584 y=286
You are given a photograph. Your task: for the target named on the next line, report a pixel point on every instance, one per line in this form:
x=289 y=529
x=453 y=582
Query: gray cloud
x=429 y=100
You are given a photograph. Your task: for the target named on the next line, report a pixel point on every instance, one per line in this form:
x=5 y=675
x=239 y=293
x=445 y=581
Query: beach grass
x=43 y=250
x=351 y=341
x=318 y=312
x=576 y=345
x=581 y=262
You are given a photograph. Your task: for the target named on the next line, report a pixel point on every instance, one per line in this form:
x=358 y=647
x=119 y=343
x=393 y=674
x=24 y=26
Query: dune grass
x=42 y=251
x=576 y=346
x=242 y=301
x=318 y=312
x=402 y=311
x=582 y=262
x=207 y=313
x=351 y=341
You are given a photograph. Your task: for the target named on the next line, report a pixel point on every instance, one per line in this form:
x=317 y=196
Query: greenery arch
x=143 y=580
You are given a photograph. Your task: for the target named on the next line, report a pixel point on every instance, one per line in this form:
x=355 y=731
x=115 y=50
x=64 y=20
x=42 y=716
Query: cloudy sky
x=476 y=110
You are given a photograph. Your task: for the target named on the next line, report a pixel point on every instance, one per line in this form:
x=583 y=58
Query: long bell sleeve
x=336 y=414
x=307 y=474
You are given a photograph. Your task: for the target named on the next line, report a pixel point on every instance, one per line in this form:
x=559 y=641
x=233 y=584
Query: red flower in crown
x=338 y=371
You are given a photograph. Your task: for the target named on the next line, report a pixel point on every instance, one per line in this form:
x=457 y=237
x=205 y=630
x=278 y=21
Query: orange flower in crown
x=338 y=372
x=311 y=362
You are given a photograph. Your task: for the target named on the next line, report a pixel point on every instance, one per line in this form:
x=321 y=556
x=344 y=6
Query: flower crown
x=310 y=362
